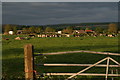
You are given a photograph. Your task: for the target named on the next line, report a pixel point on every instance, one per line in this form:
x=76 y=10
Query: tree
x=25 y=30
x=49 y=29
x=7 y=28
x=99 y=30
x=68 y=30
x=32 y=29
x=87 y=29
x=38 y=29
x=112 y=28
x=105 y=31
x=14 y=28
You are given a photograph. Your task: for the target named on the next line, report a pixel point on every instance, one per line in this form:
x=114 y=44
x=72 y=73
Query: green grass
x=13 y=56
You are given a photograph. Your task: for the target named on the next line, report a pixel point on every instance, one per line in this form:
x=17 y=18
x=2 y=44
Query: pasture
x=13 y=55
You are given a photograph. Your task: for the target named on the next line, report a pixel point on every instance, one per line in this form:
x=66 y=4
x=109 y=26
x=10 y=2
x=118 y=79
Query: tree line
x=112 y=28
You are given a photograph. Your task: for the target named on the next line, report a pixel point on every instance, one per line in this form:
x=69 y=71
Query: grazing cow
x=95 y=35
x=32 y=36
x=68 y=35
x=39 y=35
x=19 y=38
x=111 y=35
x=43 y=35
x=56 y=36
x=5 y=39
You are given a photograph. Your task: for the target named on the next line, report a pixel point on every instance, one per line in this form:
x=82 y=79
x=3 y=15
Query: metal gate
x=30 y=72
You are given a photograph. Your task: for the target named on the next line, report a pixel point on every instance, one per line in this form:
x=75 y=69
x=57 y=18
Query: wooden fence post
x=29 y=63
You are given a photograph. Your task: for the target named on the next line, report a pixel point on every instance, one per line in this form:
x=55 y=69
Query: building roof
x=88 y=31
x=79 y=31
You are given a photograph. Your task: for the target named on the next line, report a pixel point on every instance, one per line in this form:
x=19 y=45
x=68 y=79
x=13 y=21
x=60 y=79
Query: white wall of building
x=11 y=32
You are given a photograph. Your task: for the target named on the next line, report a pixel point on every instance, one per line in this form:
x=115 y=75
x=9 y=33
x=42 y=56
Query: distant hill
x=80 y=25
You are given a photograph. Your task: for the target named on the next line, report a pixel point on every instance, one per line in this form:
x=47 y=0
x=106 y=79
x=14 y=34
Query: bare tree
x=112 y=28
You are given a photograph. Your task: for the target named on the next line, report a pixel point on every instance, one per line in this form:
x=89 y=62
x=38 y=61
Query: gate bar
x=99 y=65
x=86 y=68
x=56 y=53
x=82 y=74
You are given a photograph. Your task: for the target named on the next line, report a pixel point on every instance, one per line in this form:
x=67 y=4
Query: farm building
x=11 y=32
x=79 y=31
x=49 y=35
x=20 y=31
x=59 y=32
x=89 y=31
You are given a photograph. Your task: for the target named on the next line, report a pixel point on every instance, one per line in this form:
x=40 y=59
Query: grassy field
x=13 y=56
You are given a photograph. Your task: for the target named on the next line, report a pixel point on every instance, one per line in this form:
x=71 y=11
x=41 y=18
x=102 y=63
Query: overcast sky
x=60 y=0
x=58 y=12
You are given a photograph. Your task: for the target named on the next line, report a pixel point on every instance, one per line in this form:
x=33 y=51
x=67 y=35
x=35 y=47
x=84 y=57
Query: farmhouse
x=79 y=31
x=89 y=31
x=49 y=35
x=59 y=32
x=11 y=32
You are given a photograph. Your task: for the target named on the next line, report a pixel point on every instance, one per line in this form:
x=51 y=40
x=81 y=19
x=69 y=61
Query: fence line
x=66 y=52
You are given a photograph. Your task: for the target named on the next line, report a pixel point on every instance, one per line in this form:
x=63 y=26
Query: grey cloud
x=59 y=0
x=51 y=13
